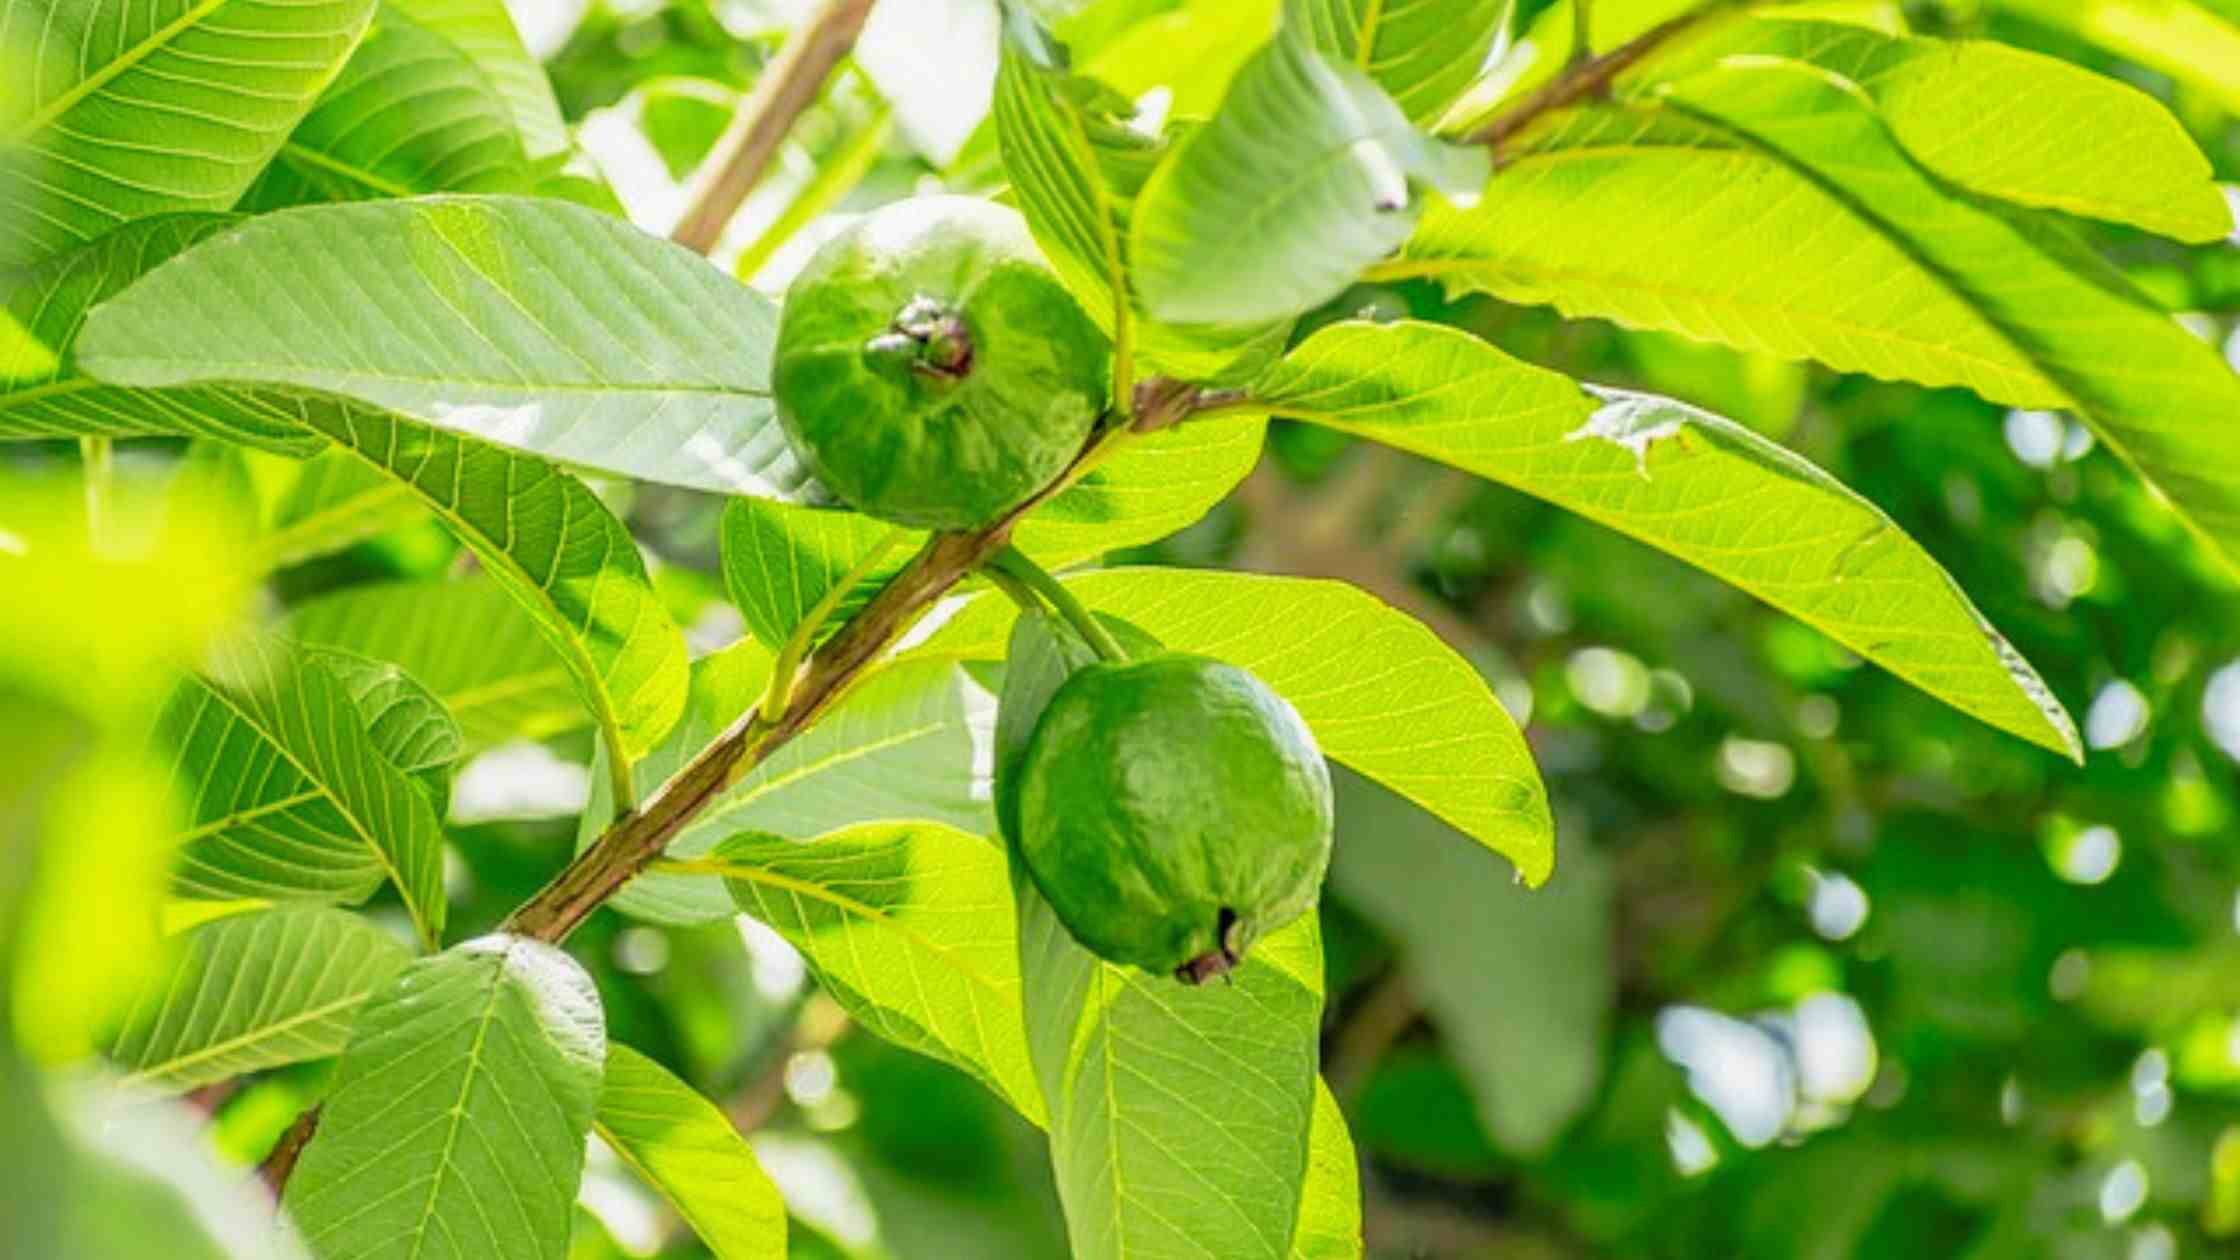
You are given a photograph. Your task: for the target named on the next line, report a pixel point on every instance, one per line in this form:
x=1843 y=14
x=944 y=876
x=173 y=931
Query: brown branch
x=281 y=1163
x=1591 y=77
x=788 y=86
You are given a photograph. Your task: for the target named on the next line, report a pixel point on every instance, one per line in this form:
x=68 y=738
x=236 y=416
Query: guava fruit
x=930 y=367
x=1172 y=810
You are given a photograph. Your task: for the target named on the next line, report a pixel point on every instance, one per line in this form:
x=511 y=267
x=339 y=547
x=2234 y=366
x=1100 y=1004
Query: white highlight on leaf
x=519 y=780
x=1627 y=422
x=2118 y=715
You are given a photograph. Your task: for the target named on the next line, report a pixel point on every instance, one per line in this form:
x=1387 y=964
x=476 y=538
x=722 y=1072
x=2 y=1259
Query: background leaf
x=484 y=30
x=43 y=394
x=253 y=991
x=540 y=326
x=1422 y=52
x=457 y=1121
x=405 y=720
x=2190 y=42
x=135 y=109
x=1306 y=175
x=291 y=798
x=409 y=114
x=335 y=501
x=685 y=1147
x=475 y=649
x=1785 y=531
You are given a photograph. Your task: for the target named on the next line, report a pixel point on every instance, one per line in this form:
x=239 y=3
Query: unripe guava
x=1173 y=810
x=931 y=368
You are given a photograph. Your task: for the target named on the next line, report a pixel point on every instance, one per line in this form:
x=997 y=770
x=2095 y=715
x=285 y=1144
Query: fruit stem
x=796 y=650
x=1014 y=563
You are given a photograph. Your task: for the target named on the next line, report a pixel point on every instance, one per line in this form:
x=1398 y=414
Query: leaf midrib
x=46 y=115
x=459 y=1105
x=149 y=1073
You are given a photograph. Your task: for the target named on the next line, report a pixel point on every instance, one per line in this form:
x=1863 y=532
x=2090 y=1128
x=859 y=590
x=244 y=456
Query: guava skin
x=1172 y=811
x=930 y=367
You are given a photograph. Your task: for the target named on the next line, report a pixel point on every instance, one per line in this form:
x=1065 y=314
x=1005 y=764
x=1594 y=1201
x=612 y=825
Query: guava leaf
x=457 y=1120
x=1784 y=530
x=476 y=651
x=1422 y=54
x=43 y=395
x=292 y=798
x=547 y=541
x=780 y=560
x=1307 y=174
x=250 y=992
x=685 y=1147
x=336 y=500
x=124 y=116
x=1330 y=1201
x=909 y=925
x=484 y=31
x=2190 y=42
x=537 y=325
x=404 y=719
x=357 y=143
x=1380 y=692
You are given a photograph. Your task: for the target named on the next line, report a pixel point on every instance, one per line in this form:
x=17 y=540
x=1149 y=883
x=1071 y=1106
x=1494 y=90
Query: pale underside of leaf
x=1423 y=52
x=684 y=1146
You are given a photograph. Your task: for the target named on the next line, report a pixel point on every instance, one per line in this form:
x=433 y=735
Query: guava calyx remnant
x=1220 y=961
x=936 y=340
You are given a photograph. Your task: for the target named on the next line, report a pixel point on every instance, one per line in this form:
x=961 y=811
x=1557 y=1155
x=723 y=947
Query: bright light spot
x=2123 y=1191
x=2070 y=973
x=619 y=1201
x=778 y=967
x=839 y=1110
x=2152 y=1106
x=2069 y=568
x=1817 y=717
x=1612 y=684
x=1835 y=1049
x=2089 y=856
x=2079 y=443
x=2150 y=1071
x=2036 y=437
x=519 y=780
x=1736 y=1068
x=810 y=1077
x=1756 y=768
x=641 y=951
x=1152 y=109
x=2010 y=1102
x=1692 y=1152
x=2153 y=1242
x=818 y=1186
x=1515 y=695
x=1838 y=907
x=1547 y=608
x=546 y=24
x=2220 y=710
x=2118 y=716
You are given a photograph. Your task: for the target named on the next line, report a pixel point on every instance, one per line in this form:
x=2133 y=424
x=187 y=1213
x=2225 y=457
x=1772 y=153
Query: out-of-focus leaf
x=484 y=30
x=540 y=326
x=136 y=110
x=1307 y=174
x=359 y=142
x=685 y=1147
x=1194 y=50
x=935 y=62
x=1786 y=531
x=457 y=1121
x=910 y=926
x=338 y=500
x=292 y=798
x=1520 y=983
x=2190 y=42
x=254 y=991
x=1381 y=693
x=1422 y=54
x=475 y=650
x=43 y=395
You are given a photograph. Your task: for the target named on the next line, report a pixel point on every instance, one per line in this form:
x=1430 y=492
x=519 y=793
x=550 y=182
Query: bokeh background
x=1827 y=970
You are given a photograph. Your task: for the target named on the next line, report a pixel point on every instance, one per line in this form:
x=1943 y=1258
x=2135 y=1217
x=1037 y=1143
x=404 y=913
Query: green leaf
x=685 y=1147
x=906 y=743
x=336 y=501
x=292 y=799
x=779 y=560
x=1422 y=52
x=457 y=1121
x=541 y=326
x=409 y=114
x=136 y=109
x=1521 y=985
x=1381 y=693
x=1976 y=113
x=1330 y=1202
x=1686 y=482
x=552 y=545
x=43 y=395
x=484 y=30
x=1179 y=1116
x=405 y=720
x=253 y=991
x=476 y=650
x=909 y=925
x=1195 y=50
x=1308 y=174
x=2187 y=41
x=1879 y=269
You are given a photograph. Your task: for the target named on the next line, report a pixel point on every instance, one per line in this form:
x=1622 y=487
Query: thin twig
x=788 y=86
x=278 y=1166
x=1591 y=77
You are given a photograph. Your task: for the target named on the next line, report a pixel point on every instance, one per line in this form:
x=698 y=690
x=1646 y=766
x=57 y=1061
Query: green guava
x=1173 y=810
x=930 y=367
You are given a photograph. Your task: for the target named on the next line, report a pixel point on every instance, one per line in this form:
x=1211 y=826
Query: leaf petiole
x=1013 y=563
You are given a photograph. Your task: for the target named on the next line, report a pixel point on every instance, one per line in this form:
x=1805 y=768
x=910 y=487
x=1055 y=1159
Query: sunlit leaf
x=1422 y=52
x=336 y=501
x=1330 y=1201
x=405 y=720
x=685 y=1147
x=484 y=30
x=2190 y=42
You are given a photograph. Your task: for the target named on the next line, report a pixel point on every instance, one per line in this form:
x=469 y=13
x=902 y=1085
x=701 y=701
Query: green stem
x=1037 y=579
x=1582 y=30
x=100 y=469
x=804 y=636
